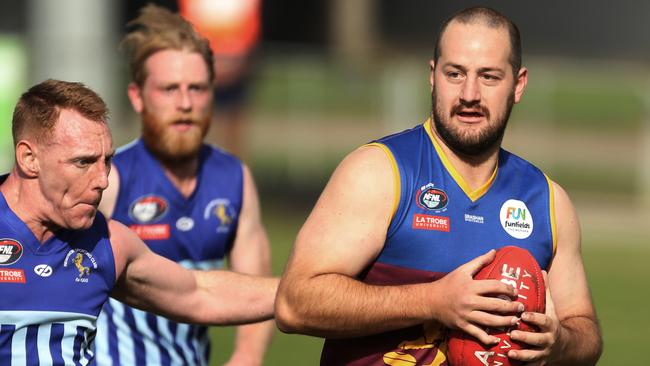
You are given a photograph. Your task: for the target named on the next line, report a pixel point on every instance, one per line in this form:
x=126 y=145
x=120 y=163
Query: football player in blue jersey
x=190 y=202
x=62 y=259
x=384 y=264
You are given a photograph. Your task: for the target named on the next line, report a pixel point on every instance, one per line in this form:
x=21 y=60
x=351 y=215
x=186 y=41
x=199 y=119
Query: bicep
x=146 y=280
x=251 y=252
x=347 y=228
x=567 y=277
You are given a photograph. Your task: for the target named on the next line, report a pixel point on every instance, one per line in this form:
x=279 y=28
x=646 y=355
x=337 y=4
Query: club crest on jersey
x=222 y=209
x=430 y=198
x=516 y=219
x=148 y=209
x=83 y=261
x=10 y=251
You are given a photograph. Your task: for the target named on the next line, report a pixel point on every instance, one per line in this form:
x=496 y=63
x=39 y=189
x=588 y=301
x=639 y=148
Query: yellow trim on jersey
x=472 y=195
x=551 y=198
x=396 y=176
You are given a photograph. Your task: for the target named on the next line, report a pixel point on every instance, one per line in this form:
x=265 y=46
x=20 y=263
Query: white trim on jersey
x=21 y=320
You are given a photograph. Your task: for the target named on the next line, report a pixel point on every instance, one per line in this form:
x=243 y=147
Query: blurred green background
x=331 y=75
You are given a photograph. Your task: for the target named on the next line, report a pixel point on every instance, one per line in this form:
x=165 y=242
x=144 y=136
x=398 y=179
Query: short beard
x=170 y=148
x=473 y=146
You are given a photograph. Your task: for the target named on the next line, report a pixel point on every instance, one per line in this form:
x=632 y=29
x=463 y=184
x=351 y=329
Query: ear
x=432 y=65
x=521 y=82
x=135 y=96
x=26 y=158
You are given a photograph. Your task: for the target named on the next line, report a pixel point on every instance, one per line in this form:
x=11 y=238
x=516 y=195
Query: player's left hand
x=543 y=343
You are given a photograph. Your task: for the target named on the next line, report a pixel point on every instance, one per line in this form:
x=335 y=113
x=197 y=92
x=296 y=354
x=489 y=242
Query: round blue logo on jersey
x=148 y=209
x=10 y=251
x=431 y=198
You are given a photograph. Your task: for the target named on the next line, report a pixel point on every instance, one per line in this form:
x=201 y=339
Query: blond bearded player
x=192 y=203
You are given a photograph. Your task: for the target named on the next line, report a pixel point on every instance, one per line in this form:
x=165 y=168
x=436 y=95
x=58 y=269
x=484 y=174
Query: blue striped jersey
x=197 y=232
x=438 y=224
x=51 y=293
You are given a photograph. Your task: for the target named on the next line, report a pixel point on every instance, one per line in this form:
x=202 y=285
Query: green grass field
x=618 y=273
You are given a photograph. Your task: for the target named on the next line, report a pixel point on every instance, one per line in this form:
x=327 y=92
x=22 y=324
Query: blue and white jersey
x=438 y=224
x=197 y=232
x=51 y=293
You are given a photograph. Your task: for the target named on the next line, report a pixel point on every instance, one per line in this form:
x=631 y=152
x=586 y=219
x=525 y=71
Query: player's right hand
x=472 y=305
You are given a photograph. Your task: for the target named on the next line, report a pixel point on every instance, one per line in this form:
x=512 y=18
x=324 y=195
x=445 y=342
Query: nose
x=101 y=178
x=185 y=101
x=470 y=91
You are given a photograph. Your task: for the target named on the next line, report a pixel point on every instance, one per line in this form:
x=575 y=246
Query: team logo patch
x=83 y=261
x=185 y=223
x=430 y=198
x=10 y=275
x=43 y=270
x=10 y=251
x=148 y=209
x=516 y=219
x=430 y=222
x=223 y=211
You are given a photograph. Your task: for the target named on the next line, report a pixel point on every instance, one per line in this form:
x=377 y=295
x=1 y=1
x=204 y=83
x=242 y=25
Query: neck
x=26 y=203
x=476 y=170
x=182 y=174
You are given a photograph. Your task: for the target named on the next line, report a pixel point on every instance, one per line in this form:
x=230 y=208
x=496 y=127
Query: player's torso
x=440 y=224
x=51 y=293
x=196 y=231
x=190 y=230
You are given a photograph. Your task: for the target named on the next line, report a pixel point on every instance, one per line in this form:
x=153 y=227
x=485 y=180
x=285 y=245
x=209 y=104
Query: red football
x=517 y=267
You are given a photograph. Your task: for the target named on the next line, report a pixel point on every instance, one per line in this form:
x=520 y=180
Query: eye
x=198 y=88
x=83 y=163
x=453 y=74
x=490 y=77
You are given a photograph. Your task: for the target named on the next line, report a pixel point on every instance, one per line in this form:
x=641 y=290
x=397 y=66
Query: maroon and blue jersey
x=51 y=293
x=438 y=224
x=196 y=231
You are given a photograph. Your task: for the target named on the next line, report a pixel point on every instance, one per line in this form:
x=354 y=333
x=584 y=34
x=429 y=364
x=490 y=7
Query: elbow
x=286 y=317
x=287 y=314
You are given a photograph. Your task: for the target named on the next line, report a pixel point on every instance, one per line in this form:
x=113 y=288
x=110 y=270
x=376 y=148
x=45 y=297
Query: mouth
x=470 y=115
x=182 y=125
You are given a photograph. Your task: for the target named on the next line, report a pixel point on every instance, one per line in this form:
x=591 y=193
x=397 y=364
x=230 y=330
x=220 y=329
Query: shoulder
x=365 y=173
x=125 y=244
x=126 y=152
x=215 y=154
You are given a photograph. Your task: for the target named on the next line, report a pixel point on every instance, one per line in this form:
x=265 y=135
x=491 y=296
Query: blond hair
x=157 y=29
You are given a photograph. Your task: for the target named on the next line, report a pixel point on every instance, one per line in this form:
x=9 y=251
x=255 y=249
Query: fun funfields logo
x=516 y=219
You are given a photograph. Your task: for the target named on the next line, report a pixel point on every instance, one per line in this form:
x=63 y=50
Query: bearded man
x=384 y=265
x=190 y=202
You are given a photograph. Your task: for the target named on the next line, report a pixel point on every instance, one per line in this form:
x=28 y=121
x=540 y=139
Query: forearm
x=333 y=305
x=580 y=342
x=229 y=298
x=251 y=343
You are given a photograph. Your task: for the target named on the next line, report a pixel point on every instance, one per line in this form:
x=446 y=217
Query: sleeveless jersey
x=51 y=293
x=438 y=224
x=197 y=232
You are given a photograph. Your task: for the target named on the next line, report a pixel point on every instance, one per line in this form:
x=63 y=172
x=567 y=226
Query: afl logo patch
x=430 y=198
x=148 y=209
x=10 y=251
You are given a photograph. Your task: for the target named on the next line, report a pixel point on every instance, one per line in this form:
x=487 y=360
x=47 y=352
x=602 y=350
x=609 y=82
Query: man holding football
x=384 y=265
